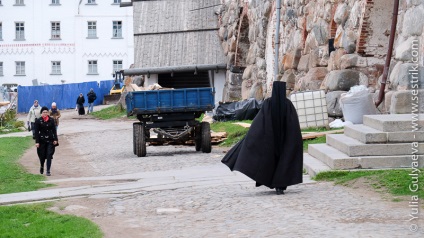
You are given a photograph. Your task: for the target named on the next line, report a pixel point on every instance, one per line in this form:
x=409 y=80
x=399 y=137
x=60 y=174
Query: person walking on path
x=45 y=139
x=33 y=114
x=91 y=96
x=271 y=153
x=55 y=114
x=80 y=104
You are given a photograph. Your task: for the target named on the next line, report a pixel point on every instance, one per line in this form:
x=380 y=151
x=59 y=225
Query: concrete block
x=405 y=137
x=355 y=148
x=333 y=157
x=313 y=166
x=384 y=162
x=394 y=122
x=365 y=134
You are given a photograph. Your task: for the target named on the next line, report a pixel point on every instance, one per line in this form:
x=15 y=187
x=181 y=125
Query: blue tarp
x=65 y=95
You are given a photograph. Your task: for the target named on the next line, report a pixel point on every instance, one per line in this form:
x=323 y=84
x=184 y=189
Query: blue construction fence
x=65 y=95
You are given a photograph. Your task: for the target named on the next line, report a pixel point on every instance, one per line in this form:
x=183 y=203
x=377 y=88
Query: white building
x=64 y=41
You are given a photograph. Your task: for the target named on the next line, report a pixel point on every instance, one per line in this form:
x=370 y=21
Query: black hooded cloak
x=271 y=153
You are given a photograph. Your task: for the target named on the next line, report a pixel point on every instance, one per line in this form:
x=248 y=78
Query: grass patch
x=110 y=113
x=317 y=140
x=8 y=130
x=395 y=181
x=36 y=221
x=13 y=177
x=234 y=132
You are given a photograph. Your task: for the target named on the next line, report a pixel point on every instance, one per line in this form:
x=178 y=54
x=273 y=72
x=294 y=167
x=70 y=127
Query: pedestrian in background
x=45 y=139
x=80 y=104
x=55 y=114
x=33 y=114
x=91 y=96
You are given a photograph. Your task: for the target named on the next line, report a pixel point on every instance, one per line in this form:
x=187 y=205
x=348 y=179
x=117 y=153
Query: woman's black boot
x=280 y=190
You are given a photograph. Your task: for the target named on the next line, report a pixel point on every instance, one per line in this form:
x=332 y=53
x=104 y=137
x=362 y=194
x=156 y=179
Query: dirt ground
x=91 y=148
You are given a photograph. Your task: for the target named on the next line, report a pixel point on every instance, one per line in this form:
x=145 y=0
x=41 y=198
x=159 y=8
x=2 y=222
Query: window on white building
x=117 y=29
x=92 y=67
x=1 y=68
x=116 y=1
x=20 y=67
x=92 y=29
x=117 y=65
x=19 y=2
x=55 y=30
x=1 y=31
x=0 y=3
x=55 y=2
x=19 y=31
x=56 y=68
x=91 y=1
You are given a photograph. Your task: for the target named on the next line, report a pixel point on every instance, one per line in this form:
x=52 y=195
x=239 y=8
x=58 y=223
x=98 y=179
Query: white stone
x=164 y=211
x=74 y=208
x=341 y=14
x=403 y=51
x=413 y=21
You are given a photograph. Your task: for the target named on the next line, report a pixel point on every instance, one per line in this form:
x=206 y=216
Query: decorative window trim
x=24 y=68
x=119 y=36
x=91 y=3
x=19 y=4
x=20 y=39
x=113 y=65
x=56 y=66
x=57 y=24
x=90 y=65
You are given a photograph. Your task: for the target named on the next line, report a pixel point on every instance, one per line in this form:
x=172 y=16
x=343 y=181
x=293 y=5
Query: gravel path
x=91 y=147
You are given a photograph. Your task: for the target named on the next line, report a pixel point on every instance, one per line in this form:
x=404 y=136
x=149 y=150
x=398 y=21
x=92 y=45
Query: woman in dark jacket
x=80 y=104
x=45 y=139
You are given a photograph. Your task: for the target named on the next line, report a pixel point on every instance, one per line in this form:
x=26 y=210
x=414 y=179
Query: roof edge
x=173 y=69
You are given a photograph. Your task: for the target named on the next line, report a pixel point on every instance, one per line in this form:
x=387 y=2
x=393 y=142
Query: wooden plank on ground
x=243 y=124
x=313 y=135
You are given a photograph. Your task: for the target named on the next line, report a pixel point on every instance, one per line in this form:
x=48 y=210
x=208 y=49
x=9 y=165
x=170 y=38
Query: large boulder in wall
x=342 y=80
x=313 y=79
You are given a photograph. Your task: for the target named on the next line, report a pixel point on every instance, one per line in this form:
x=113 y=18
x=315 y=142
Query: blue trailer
x=172 y=115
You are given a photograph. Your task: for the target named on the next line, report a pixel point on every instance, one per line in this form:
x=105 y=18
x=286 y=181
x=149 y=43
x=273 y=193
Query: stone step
x=395 y=122
x=353 y=147
x=335 y=159
x=313 y=166
x=332 y=157
x=369 y=135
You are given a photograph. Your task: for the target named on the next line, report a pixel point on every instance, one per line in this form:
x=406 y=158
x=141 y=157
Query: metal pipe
x=277 y=40
x=389 y=53
x=175 y=69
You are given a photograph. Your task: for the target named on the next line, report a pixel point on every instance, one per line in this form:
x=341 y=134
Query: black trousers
x=33 y=130
x=45 y=152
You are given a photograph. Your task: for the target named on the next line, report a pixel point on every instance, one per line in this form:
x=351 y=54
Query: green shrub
x=18 y=124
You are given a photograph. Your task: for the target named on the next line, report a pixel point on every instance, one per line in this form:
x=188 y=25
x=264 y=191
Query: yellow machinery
x=116 y=90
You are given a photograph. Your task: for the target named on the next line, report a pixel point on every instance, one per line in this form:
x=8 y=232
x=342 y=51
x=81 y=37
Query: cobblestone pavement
x=319 y=209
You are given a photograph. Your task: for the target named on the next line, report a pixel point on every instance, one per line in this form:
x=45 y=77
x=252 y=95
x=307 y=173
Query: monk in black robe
x=271 y=153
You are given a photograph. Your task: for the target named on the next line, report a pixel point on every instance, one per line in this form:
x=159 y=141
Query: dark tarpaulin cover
x=271 y=153
x=65 y=95
x=237 y=111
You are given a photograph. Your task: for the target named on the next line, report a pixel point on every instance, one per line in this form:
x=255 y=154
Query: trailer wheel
x=197 y=138
x=206 y=137
x=134 y=139
x=140 y=140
